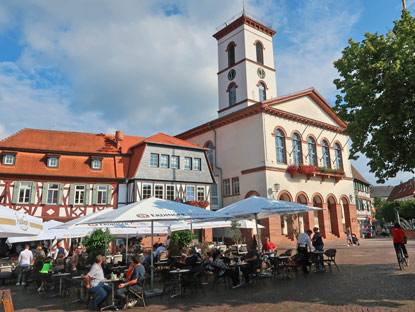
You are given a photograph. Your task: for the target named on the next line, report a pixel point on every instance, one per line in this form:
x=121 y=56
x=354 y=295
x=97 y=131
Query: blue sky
x=150 y=66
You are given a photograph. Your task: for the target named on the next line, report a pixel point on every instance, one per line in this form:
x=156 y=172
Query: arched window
x=259 y=53
x=210 y=152
x=262 y=92
x=280 y=146
x=326 y=154
x=297 y=153
x=232 y=95
x=231 y=54
x=338 y=154
x=312 y=154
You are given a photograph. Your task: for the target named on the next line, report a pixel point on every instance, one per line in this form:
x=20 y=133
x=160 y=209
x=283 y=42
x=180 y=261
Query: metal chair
x=331 y=258
x=133 y=296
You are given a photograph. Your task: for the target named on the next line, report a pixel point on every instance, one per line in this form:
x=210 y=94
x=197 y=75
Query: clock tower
x=246 y=64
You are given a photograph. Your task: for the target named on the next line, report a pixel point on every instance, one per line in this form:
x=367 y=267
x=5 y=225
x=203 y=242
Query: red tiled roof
x=162 y=138
x=356 y=175
x=64 y=141
x=403 y=190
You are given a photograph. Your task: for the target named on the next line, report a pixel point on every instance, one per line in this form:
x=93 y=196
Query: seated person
x=45 y=273
x=183 y=256
x=193 y=262
x=95 y=282
x=268 y=246
x=226 y=270
x=159 y=249
x=59 y=266
x=252 y=263
x=135 y=277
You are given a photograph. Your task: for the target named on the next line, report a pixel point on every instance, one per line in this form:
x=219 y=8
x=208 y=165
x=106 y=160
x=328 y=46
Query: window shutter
x=109 y=194
x=71 y=198
x=45 y=193
x=86 y=201
x=95 y=194
x=16 y=189
x=33 y=193
x=60 y=194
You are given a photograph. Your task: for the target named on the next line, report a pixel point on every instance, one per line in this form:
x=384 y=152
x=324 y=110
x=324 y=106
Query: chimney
x=119 y=135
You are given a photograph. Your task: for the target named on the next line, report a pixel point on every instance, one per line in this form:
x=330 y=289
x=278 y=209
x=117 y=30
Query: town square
x=207 y=155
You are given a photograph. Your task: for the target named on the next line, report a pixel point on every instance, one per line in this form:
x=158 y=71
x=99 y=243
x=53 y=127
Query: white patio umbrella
x=186 y=225
x=47 y=234
x=261 y=207
x=15 y=223
x=155 y=209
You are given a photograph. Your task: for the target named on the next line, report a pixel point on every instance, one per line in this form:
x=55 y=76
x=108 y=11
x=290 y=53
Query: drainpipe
x=216 y=162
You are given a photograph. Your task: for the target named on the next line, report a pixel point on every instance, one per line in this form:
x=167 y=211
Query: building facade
x=364 y=206
x=403 y=191
x=63 y=175
x=291 y=147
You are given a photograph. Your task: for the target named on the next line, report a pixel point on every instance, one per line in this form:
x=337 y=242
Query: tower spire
x=243 y=8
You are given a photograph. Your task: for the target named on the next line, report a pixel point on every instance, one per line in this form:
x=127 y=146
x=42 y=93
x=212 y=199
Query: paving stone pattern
x=368 y=280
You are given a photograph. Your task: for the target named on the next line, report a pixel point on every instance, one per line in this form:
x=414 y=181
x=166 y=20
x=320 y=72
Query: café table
x=61 y=276
x=112 y=306
x=81 y=280
x=320 y=264
x=238 y=266
x=178 y=274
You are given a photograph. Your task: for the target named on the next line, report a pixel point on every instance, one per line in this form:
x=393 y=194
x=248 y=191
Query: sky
x=150 y=66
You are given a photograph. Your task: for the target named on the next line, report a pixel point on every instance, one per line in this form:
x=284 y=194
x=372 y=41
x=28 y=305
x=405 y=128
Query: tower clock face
x=261 y=72
x=231 y=74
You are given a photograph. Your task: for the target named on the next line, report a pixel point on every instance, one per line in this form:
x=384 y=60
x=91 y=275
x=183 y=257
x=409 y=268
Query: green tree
x=377 y=86
x=178 y=240
x=235 y=231
x=95 y=243
x=407 y=209
x=388 y=211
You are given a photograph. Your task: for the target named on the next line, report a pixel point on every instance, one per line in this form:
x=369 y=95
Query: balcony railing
x=314 y=171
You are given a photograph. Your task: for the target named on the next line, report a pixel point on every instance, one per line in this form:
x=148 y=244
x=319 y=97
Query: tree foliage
x=95 y=243
x=235 y=231
x=377 y=86
x=178 y=240
x=387 y=210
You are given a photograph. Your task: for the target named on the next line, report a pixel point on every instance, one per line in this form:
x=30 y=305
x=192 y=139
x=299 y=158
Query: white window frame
x=142 y=190
x=227 y=187
x=187 y=193
x=163 y=163
x=156 y=186
x=235 y=184
x=26 y=187
x=9 y=159
x=199 y=162
x=80 y=194
x=168 y=191
x=53 y=162
x=176 y=165
x=94 y=162
x=103 y=191
x=151 y=160
x=55 y=191
x=202 y=189
x=186 y=164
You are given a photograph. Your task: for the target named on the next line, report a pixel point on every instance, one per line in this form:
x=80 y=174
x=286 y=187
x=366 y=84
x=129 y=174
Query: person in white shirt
x=303 y=242
x=25 y=261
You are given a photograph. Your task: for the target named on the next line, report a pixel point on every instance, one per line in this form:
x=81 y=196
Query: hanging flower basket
x=293 y=169
x=309 y=170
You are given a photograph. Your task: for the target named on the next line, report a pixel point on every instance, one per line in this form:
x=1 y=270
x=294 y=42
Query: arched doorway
x=333 y=216
x=346 y=220
x=302 y=199
x=286 y=223
x=319 y=214
x=251 y=193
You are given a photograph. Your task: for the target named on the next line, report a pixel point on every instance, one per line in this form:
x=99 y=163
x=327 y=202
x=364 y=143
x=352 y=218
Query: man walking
x=25 y=260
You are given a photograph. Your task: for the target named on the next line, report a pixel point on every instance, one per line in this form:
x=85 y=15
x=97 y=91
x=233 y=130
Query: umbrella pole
x=191 y=233
x=105 y=252
x=257 y=233
x=126 y=250
x=152 y=259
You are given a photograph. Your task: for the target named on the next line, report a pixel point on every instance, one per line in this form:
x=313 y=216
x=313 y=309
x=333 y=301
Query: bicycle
x=402 y=260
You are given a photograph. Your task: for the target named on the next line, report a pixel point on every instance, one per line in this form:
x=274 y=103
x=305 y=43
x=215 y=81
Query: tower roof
x=244 y=19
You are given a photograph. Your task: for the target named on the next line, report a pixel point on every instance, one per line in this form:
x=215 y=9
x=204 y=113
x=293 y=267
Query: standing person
x=167 y=241
x=317 y=240
x=134 y=281
x=398 y=235
x=268 y=246
x=75 y=257
x=60 y=252
x=349 y=236
x=25 y=260
x=45 y=274
x=95 y=282
x=303 y=242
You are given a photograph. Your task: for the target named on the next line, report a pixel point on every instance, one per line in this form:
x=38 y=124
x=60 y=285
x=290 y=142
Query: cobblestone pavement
x=368 y=280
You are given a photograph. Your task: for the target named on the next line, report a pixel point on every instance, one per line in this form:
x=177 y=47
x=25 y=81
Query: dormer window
x=9 y=159
x=52 y=161
x=96 y=163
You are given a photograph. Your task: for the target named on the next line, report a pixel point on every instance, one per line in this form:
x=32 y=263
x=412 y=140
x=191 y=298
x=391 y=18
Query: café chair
x=331 y=258
x=133 y=296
